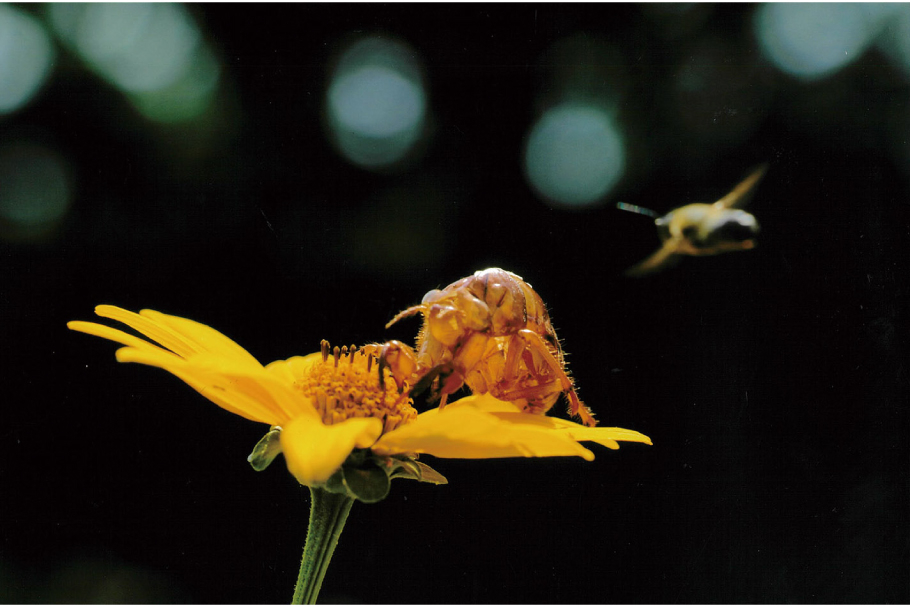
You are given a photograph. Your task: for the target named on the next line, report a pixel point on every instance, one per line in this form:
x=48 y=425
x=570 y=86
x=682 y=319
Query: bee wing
x=663 y=257
x=739 y=196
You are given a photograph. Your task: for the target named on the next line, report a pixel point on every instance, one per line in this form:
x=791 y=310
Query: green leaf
x=266 y=450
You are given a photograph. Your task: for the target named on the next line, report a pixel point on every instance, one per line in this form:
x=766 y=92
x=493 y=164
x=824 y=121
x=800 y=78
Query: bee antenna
x=634 y=208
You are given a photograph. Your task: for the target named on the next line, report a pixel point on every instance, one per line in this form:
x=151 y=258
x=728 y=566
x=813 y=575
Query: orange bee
x=492 y=332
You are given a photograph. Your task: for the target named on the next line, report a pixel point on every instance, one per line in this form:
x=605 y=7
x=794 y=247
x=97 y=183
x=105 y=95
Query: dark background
x=773 y=383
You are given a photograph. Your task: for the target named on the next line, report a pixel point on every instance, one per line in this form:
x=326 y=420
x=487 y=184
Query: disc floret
x=346 y=384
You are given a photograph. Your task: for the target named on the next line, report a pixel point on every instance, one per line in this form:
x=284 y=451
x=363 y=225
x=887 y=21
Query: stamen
x=330 y=406
x=381 y=366
x=391 y=422
x=352 y=390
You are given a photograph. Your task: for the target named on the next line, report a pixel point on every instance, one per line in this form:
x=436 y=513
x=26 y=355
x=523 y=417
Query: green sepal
x=429 y=475
x=360 y=478
x=266 y=450
x=369 y=484
x=409 y=467
x=367 y=477
x=402 y=468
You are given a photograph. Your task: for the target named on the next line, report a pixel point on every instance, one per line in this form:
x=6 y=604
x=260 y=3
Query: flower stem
x=328 y=513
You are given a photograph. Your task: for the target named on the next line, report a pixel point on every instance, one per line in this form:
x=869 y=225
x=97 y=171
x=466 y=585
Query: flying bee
x=492 y=332
x=700 y=228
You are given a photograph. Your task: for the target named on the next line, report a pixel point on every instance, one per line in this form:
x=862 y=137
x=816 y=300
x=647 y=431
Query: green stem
x=328 y=513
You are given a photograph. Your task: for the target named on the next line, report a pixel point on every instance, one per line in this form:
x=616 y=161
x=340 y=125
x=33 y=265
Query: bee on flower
x=491 y=331
x=326 y=406
x=342 y=417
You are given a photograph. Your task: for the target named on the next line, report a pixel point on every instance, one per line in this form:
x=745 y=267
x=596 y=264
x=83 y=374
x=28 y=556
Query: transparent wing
x=663 y=257
x=739 y=196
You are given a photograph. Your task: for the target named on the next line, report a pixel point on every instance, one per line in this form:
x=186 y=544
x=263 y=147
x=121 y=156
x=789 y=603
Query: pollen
x=346 y=383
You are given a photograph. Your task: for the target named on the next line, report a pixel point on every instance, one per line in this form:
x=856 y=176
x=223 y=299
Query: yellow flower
x=329 y=404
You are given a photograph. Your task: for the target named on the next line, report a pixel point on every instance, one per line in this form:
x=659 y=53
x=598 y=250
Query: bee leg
x=514 y=350
x=451 y=384
x=399 y=359
x=427 y=380
x=576 y=407
x=443 y=374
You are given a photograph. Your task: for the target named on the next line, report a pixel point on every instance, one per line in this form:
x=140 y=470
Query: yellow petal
x=147 y=327
x=315 y=451
x=202 y=337
x=486 y=402
x=182 y=336
x=604 y=436
x=295 y=367
x=468 y=432
x=601 y=435
x=578 y=432
x=112 y=334
x=247 y=390
x=212 y=388
x=239 y=395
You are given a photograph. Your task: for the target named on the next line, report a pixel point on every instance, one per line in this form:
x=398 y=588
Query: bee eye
x=432 y=296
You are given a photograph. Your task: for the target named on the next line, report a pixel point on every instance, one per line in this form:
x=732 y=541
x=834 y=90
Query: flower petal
x=147 y=327
x=577 y=432
x=601 y=435
x=201 y=337
x=488 y=403
x=182 y=336
x=315 y=451
x=511 y=413
x=249 y=391
x=112 y=334
x=468 y=432
x=209 y=362
x=295 y=367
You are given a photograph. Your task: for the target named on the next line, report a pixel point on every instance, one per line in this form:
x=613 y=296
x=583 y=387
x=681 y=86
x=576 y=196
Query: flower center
x=346 y=384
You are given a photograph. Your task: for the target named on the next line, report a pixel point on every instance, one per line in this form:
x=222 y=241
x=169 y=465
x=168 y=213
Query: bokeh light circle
x=376 y=103
x=26 y=55
x=153 y=52
x=813 y=40
x=35 y=191
x=140 y=47
x=574 y=155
